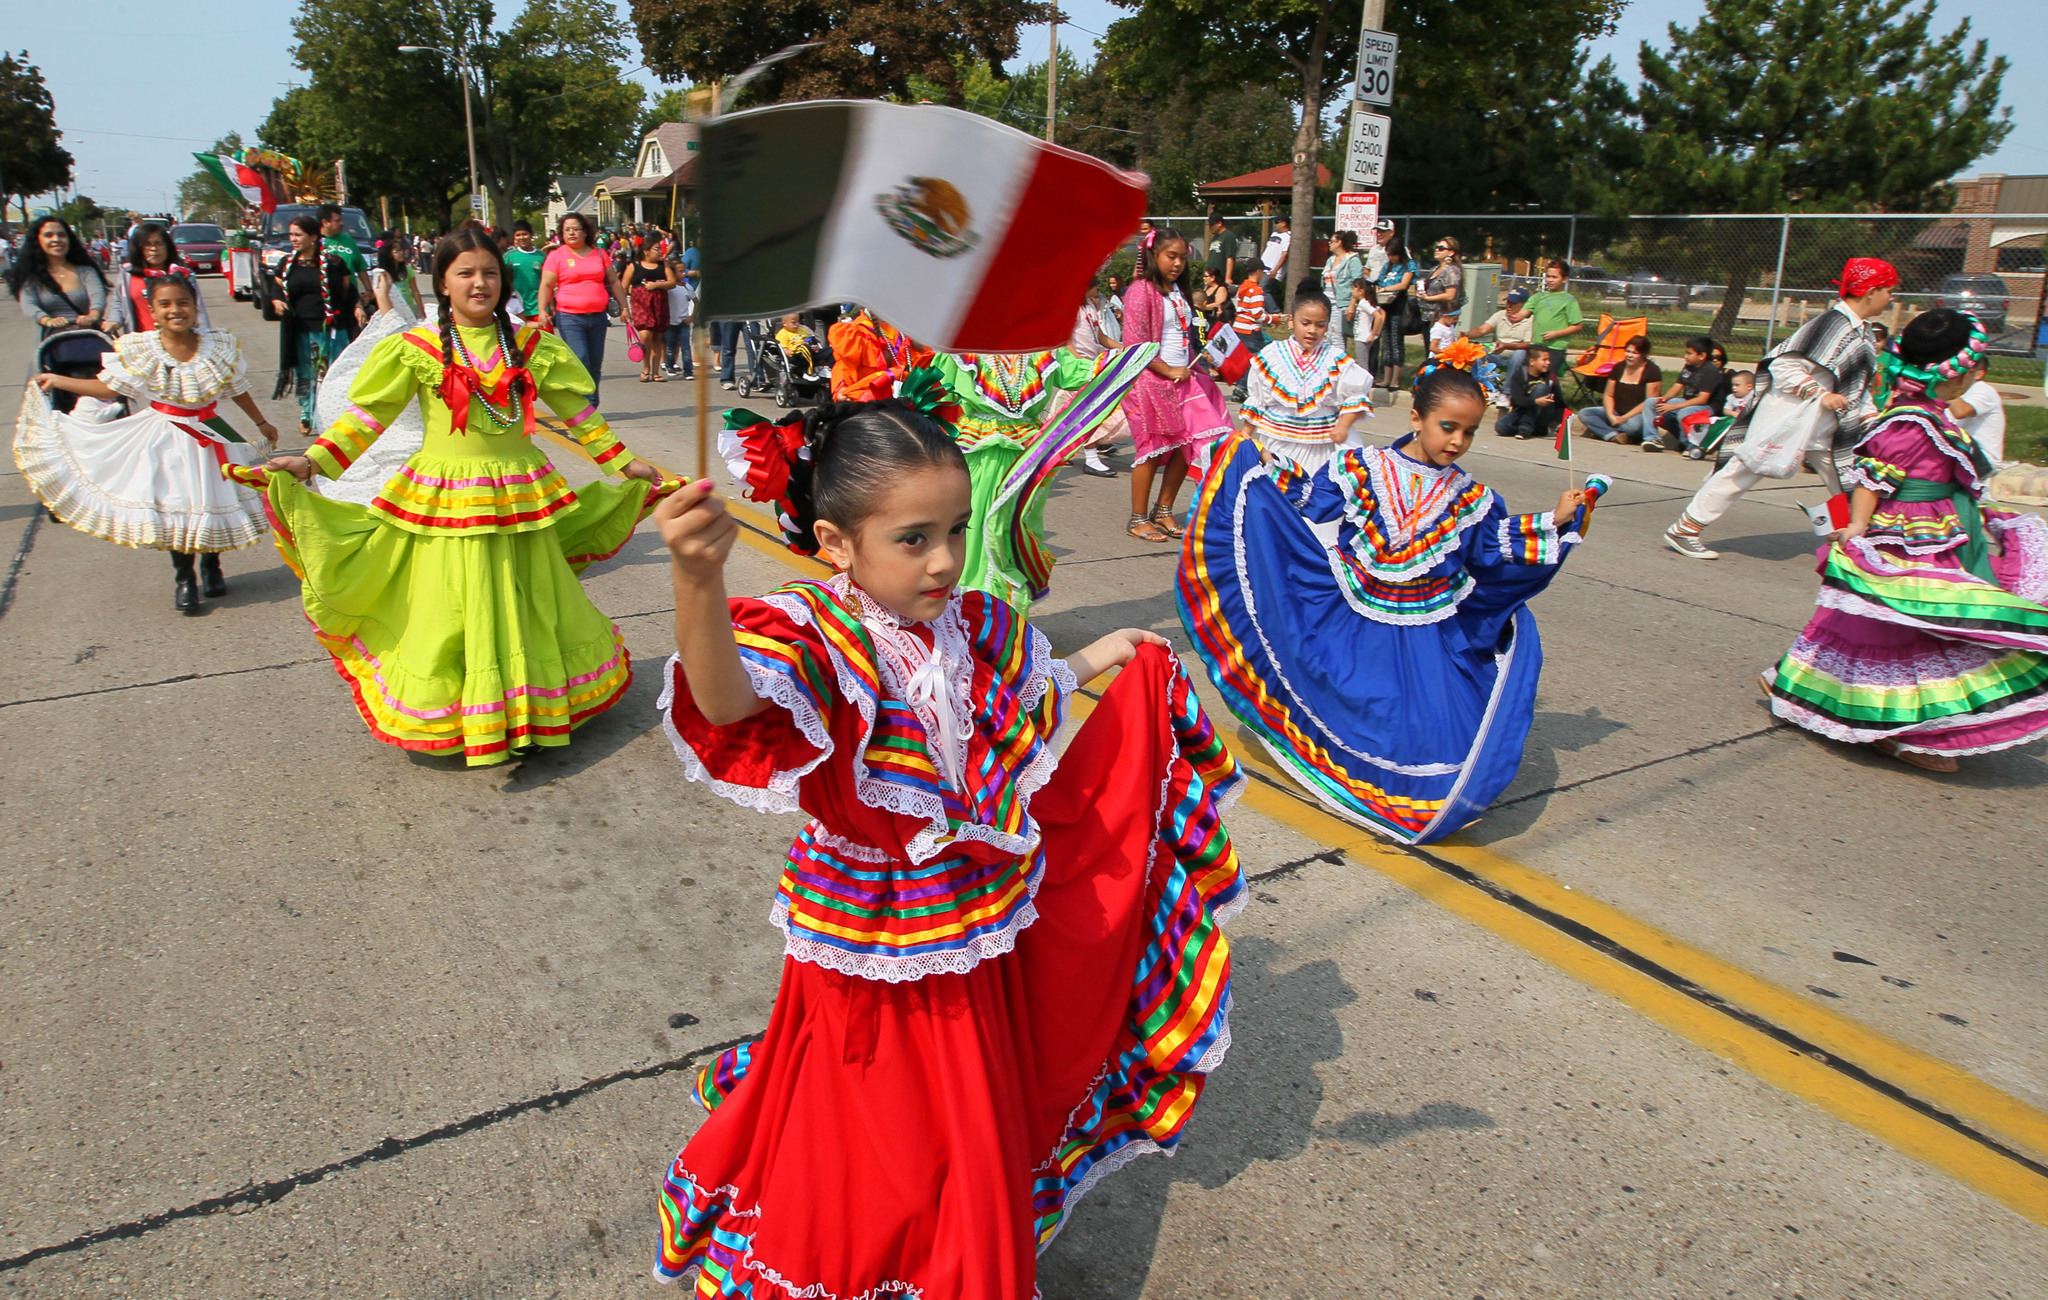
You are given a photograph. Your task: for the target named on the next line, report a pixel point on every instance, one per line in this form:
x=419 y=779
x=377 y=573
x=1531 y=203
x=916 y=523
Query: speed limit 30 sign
x=1376 y=51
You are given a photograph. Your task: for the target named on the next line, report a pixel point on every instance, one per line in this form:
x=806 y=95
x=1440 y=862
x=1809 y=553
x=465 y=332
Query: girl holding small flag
x=1004 y=971
x=1392 y=670
x=1304 y=393
x=154 y=479
x=1175 y=411
x=450 y=603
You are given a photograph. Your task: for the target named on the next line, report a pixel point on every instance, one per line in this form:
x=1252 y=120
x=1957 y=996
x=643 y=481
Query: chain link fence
x=1745 y=281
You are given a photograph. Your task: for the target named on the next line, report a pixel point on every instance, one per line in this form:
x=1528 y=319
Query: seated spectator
x=1513 y=330
x=1741 y=387
x=1628 y=404
x=1688 y=402
x=1535 y=408
x=808 y=357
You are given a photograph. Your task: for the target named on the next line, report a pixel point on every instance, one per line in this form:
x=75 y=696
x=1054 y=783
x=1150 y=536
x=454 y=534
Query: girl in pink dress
x=1175 y=411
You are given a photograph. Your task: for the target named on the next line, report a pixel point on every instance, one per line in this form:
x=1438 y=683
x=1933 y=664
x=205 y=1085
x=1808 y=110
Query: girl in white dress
x=1303 y=394
x=154 y=479
x=369 y=473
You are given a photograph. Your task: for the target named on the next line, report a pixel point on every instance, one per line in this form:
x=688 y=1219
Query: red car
x=202 y=246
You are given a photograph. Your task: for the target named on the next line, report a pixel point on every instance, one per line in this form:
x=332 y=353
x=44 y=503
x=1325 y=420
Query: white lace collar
x=932 y=679
x=211 y=372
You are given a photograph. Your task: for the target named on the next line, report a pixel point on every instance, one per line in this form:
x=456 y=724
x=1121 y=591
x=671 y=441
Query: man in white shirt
x=1981 y=412
x=1277 y=243
x=1376 y=252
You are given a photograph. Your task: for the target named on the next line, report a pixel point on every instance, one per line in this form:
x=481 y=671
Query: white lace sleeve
x=1354 y=387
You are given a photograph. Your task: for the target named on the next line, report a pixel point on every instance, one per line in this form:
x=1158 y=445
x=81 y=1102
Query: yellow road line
x=1871 y=1082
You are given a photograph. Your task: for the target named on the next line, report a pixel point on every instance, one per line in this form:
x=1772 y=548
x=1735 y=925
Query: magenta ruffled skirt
x=1168 y=416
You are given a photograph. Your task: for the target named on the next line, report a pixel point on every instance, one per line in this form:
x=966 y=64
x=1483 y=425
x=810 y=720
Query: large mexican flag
x=967 y=235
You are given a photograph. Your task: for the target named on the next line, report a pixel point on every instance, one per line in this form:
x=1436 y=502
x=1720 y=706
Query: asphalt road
x=285 y=1012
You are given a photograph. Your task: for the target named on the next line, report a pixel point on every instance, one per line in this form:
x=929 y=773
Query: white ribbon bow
x=930 y=691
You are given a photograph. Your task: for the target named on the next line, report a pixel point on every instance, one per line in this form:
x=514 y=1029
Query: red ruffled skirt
x=928 y=1137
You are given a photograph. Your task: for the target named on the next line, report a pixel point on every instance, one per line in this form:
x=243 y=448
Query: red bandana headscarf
x=1862 y=274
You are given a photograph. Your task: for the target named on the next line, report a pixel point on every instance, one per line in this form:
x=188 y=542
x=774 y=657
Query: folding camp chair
x=1589 y=373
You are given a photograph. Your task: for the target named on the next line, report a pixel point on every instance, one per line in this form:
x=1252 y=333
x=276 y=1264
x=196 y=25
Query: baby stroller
x=76 y=354
x=795 y=381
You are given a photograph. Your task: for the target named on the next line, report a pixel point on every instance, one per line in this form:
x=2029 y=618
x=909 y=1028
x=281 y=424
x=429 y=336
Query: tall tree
x=546 y=94
x=200 y=197
x=1201 y=46
x=1783 y=105
x=868 y=49
x=31 y=159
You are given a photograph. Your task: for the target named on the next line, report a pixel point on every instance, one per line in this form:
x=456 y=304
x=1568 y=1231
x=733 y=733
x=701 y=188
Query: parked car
x=200 y=244
x=1594 y=279
x=1648 y=289
x=275 y=232
x=1983 y=296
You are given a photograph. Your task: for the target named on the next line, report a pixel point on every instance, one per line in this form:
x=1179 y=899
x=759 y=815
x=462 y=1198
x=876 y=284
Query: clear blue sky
x=133 y=134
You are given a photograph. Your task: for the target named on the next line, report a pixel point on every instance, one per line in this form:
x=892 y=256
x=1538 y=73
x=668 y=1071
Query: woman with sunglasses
x=1443 y=293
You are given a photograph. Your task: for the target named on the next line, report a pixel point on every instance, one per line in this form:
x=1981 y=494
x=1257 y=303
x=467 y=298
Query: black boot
x=187 y=597
x=211 y=584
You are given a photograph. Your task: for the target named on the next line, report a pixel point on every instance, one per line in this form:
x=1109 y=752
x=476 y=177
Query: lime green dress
x=1005 y=402
x=450 y=603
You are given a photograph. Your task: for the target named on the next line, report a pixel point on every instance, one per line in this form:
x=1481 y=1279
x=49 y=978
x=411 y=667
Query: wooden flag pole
x=703 y=405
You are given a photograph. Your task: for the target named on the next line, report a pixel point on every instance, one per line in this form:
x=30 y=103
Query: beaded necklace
x=511 y=414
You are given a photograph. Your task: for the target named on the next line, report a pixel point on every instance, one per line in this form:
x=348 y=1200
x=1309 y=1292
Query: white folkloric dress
x=361 y=481
x=1294 y=396
x=152 y=479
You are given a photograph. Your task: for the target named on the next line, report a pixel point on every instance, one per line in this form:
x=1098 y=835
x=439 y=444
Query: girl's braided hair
x=453 y=245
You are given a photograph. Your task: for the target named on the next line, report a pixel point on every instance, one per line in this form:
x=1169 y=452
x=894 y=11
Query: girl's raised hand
x=1568 y=506
x=697 y=530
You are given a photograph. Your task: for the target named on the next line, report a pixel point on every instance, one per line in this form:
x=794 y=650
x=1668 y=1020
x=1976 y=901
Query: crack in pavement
x=28 y=543
x=165 y=681
x=1637 y=767
x=255 y=1195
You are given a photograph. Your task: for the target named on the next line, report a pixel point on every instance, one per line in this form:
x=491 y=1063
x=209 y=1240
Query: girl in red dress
x=1005 y=973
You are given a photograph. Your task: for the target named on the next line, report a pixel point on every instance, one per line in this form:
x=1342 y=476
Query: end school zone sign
x=1365 y=164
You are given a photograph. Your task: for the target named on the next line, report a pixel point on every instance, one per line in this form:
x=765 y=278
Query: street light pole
x=468 y=121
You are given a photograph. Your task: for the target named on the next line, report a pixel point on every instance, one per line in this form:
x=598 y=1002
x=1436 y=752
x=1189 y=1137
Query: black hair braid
x=1445 y=382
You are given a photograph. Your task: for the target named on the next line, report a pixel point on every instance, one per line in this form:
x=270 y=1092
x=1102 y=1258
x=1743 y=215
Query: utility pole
x=1371 y=21
x=1052 y=74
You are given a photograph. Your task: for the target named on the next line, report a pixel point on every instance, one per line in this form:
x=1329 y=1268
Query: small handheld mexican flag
x=1564 y=437
x=926 y=215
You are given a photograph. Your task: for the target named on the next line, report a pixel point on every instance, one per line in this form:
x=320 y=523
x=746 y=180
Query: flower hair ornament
x=771 y=460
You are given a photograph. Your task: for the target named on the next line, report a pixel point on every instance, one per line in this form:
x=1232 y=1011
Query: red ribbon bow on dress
x=459 y=383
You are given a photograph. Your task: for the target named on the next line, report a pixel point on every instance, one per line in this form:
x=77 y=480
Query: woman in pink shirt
x=578 y=291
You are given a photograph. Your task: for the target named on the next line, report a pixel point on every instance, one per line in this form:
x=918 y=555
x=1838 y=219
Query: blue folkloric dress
x=1369 y=623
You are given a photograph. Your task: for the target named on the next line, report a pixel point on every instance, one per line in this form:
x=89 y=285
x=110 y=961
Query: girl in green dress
x=450 y=603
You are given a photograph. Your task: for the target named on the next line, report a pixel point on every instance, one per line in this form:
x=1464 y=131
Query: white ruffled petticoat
x=364 y=479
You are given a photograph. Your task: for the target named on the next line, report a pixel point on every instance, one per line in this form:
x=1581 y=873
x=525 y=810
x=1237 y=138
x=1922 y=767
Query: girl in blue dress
x=1368 y=620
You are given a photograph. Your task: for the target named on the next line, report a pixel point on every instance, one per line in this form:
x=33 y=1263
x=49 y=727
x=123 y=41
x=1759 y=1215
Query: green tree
x=1784 y=105
x=200 y=197
x=868 y=49
x=546 y=93
x=1198 y=47
x=31 y=159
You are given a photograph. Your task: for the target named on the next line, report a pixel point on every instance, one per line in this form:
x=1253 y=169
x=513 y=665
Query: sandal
x=1913 y=758
x=1142 y=529
x=1163 y=520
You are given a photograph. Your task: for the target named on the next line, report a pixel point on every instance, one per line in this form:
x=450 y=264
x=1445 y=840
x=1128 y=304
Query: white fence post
x=1777 y=285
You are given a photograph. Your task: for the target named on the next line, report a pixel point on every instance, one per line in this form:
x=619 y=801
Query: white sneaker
x=1688 y=544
